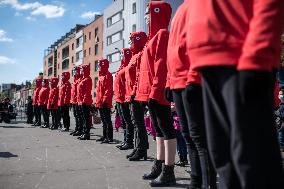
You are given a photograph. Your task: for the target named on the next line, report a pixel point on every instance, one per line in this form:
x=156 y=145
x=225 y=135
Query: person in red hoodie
x=184 y=89
x=119 y=95
x=236 y=46
x=35 y=103
x=104 y=92
x=52 y=104
x=150 y=88
x=42 y=102
x=84 y=99
x=74 y=101
x=137 y=42
x=64 y=99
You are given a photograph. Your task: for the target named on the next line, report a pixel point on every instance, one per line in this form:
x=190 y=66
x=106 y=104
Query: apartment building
x=120 y=19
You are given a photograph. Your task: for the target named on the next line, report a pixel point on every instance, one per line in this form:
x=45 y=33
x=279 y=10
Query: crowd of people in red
x=216 y=65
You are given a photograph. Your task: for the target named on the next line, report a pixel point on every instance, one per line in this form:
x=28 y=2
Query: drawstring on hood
x=160 y=16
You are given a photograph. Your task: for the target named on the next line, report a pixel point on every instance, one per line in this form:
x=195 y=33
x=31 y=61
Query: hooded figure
x=43 y=99
x=64 y=99
x=74 y=100
x=150 y=88
x=84 y=98
x=104 y=92
x=35 y=103
x=53 y=101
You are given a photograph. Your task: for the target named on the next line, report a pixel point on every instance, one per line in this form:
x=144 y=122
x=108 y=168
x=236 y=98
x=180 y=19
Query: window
x=84 y=53
x=115 y=18
x=96 y=66
x=50 y=61
x=79 y=56
x=72 y=46
x=58 y=55
x=65 y=52
x=85 y=38
x=90 y=35
x=96 y=49
x=114 y=57
x=58 y=66
x=65 y=64
x=96 y=32
x=90 y=51
x=114 y=38
x=79 y=41
x=133 y=8
x=49 y=71
x=72 y=59
x=134 y=28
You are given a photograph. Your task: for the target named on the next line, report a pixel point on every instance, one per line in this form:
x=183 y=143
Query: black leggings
x=161 y=119
x=84 y=113
x=45 y=114
x=65 y=116
x=105 y=114
x=54 y=114
x=126 y=117
x=78 y=120
x=37 y=114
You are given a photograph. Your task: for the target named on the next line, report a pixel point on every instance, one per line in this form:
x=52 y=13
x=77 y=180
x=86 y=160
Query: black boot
x=77 y=133
x=195 y=183
x=155 y=171
x=131 y=154
x=120 y=145
x=166 y=178
x=105 y=141
x=100 y=139
x=139 y=154
x=84 y=137
x=182 y=161
x=72 y=133
x=126 y=147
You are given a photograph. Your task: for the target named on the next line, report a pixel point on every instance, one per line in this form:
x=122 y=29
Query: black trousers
x=105 y=114
x=123 y=123
x=189 y=106
x=126 y=116
x=84 y=113
x=240 y=128
x=78 y=119
x=45 y=114
x=54 y=115
x=37 y=114
x=65 y=116
x=137 y=114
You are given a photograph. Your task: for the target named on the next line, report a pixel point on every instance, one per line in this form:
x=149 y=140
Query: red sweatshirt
x=53 y=94
x=244 y=34
x=153 y=68
x=77 y=79
x=104 y=88
x=119 y=81
x=84 y=88
x=36 y=91
x=138 y=42
x=180 y=72
x=44 y=93
x=64 y=90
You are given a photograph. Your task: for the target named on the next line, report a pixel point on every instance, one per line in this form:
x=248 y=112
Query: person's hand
x=169 y=94
x=152 y=102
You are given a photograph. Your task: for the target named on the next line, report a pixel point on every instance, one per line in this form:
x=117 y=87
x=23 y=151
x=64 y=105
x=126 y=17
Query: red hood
x=45 y=83
x=77 y=70
x=38 y=83
x=65 y=77
x=127 y=54
x=160 y=16
x=139 y=40
x=86 y=70
x=54 y=82
x=104 y=65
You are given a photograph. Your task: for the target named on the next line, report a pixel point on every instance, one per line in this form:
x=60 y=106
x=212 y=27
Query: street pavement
x=37 y=158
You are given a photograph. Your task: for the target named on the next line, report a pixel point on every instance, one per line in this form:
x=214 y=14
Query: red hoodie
x=153 y=68
x=84 y=88
x=180 y=72
x=36 y=91
x=77 y=79
x=104 y=88
x=119 y=81
x=244 y=34
x=43 y=93
x=138 y=42
x=64 y=90
x=53 y=94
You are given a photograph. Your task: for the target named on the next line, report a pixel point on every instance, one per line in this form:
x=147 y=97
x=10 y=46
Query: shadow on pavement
x=7 y=155
x=15 y=127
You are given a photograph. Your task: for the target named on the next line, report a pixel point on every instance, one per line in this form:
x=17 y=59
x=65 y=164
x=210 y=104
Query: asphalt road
x=37 y=158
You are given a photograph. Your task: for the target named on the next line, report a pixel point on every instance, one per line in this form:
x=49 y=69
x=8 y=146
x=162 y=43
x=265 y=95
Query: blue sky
x=29 y=27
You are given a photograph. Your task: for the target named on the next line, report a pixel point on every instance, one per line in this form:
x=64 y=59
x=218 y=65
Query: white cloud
x=6 y=60
x=18 y=14
x=89 y=14
x=36 y=8
x=30 y=18
x=3 y=37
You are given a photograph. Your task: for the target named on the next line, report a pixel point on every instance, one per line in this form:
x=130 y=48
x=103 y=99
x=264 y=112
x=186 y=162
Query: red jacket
x=77 y=79
x=53 y=94
x=43 y=93
x=36 y=91
x=153 y=68
x=244 y=34
x=119 y=81
x=104 y=88
x=84 y=88
x=180 y=73
x=138 y=42
x=64 y=90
